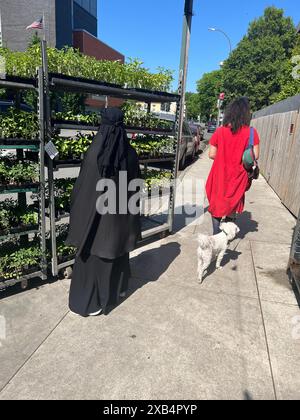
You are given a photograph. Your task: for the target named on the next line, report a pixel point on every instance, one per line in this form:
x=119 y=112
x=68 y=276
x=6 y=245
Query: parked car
x=187 y=148
x=212 y=126
x=5 y=105
x=198 y=134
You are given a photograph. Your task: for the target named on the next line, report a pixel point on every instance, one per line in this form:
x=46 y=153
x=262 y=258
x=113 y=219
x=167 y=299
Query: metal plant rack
x=20 y=145
x=78 y=85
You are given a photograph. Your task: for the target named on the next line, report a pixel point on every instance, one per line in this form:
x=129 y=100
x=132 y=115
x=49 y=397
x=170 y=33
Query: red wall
x=89 y=45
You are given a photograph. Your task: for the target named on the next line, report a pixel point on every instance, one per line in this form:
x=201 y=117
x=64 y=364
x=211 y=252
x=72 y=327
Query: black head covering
x=113 y=154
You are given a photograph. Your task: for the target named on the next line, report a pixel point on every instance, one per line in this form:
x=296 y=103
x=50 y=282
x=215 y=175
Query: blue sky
x=151 y=30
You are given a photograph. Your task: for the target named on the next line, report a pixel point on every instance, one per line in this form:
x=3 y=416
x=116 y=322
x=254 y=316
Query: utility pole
x=1 y=35
x=185 y=47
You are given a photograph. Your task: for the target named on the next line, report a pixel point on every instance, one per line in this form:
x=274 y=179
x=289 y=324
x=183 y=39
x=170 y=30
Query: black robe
x=101 y=271
x=114 y=235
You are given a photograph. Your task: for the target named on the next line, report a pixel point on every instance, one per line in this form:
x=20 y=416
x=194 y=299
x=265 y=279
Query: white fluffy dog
x=214 y=247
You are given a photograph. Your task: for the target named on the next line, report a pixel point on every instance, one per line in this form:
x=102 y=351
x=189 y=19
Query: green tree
x=192 y=106
x=209 y=87
x=290 y=81
x=255 y=67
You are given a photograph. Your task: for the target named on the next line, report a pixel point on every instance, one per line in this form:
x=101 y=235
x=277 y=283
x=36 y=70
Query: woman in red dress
x=228 y=180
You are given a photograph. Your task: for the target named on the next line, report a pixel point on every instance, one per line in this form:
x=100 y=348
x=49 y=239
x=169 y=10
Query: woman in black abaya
x=101 y=271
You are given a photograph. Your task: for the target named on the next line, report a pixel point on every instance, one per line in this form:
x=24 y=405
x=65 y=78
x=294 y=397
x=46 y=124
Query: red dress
x=228 y=181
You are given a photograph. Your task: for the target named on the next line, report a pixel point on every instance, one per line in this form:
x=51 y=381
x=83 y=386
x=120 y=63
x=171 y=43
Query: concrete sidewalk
x=234 y=337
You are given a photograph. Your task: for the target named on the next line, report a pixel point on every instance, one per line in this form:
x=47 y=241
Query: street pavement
x=234 y=337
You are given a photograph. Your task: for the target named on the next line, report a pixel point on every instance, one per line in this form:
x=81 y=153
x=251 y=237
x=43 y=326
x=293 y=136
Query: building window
x=93 y=7
x=88 y=5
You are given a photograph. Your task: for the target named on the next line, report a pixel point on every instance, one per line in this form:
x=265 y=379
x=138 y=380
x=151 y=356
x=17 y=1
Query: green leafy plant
x=135 y=116
x=15 y=260
x=92 y=119
x=13 y=215
x=62 y=191
x=4 y=220
x=150 y=146
x=156 y=180
x=63 y=250
x=73 y=148
x=16 y=172
x=19 y=124
x=71 y=62
x=29 y=219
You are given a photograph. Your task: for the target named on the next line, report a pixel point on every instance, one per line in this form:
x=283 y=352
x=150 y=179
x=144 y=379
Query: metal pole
x=50 y=162
x=186 y=38
x=1 y=36
x=42 y=172
x=225 y=34
x=229 y=40
x=44 y=26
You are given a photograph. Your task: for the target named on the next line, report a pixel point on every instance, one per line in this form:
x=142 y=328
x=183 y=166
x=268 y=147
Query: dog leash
x=236 y=247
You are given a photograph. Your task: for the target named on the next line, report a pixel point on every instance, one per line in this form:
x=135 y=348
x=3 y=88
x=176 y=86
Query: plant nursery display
x=153 y=147
x=16 y=218
x=19 y=124
x=72 y=148
x=92 y=119
x=71 y=62
x=17 y=260
x=135 y=116
x=62 y=191
x=32 y=236
x=156 y=180
x=63 y=251
x=14 y=172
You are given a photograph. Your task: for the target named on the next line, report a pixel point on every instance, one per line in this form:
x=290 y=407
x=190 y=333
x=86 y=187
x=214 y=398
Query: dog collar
x=227 y=235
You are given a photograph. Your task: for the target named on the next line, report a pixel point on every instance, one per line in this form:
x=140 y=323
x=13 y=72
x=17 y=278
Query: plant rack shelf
x=61 y=83
x=20 y=145
x=15 y=144
x=80 y=85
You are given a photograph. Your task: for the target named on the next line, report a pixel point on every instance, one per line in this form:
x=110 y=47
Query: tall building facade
x=74 y=15
x=16 y=15
x=67 y=23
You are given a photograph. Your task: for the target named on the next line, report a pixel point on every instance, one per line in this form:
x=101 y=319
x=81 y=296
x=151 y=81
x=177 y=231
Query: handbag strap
x=251 y=140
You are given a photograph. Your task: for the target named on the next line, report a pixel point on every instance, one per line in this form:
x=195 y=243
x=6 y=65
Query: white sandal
x=96 y=313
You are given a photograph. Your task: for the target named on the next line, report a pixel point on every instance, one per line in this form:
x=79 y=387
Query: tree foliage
x=192 y=106
x=259 y=68
x=209 y=88
x=290 y=81
x=255 y=67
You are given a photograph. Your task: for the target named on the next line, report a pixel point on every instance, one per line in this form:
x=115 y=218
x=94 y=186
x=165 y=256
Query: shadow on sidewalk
x=149 y=266
x=183 y=219
x=246 y=224
x=229 y=256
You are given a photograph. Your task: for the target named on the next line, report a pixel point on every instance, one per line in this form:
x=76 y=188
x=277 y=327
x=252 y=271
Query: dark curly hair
x=238 y=114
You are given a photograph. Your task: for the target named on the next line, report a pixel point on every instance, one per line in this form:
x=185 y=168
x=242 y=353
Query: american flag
x=37 y=24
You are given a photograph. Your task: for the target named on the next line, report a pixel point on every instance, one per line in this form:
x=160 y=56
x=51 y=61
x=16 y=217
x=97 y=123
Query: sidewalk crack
x=264 y=325
x=33 y=353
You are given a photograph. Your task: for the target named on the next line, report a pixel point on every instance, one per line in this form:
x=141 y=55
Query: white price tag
x=51 y=150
